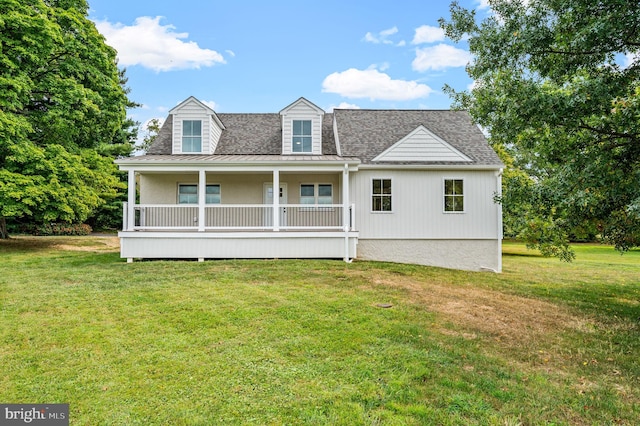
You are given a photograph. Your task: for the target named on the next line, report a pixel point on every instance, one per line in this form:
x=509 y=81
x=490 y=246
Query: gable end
x=424 y=146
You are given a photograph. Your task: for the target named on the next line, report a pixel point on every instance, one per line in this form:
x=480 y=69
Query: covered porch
x=218 y=208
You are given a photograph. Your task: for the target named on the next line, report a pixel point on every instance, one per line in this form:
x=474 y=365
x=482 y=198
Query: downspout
x=498 y=193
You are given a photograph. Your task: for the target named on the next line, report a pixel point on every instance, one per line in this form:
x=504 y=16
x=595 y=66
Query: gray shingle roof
x=366 y=133
x=162 y=143
x=363 y=134
x=247 y=134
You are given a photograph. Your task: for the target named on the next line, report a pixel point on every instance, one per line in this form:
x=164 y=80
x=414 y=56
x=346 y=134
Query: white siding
x=214 y=135
x=192 y=110
x=301 y=111
x=211 y=245
x=421 y=145
x=417 y=204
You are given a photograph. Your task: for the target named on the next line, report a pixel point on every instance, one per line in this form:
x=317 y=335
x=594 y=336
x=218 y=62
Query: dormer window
x=302 y=136
x=191 y=136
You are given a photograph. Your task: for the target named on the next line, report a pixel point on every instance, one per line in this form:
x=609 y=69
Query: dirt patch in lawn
x=509 y=318
x=106 y=243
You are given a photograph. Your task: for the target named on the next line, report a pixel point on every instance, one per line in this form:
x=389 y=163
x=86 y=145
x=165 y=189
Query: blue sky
x=259 y=56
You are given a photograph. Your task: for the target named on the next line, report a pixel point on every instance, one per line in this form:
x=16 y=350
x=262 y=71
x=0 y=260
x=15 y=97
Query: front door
x=268 y=199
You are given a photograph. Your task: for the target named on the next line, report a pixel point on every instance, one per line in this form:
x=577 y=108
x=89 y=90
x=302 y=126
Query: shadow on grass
x=522 y=254
x=36 y=244
x=27 y=244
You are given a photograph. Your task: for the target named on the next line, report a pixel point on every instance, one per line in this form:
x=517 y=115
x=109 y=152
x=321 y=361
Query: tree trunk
x=3 y=229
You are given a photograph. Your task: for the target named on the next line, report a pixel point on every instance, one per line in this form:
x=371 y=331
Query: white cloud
x=373 y=84
x=428 y=34
x=211 y=104
x=343 y=105
x=382 y=37
x=483 y=4
x=382 y=67
x=231 y=53
x=440 y=57
x=148 y=121
x=149 y=44
x=629 y=59
x=390 y=31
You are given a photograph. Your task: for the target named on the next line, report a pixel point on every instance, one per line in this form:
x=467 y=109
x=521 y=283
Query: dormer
x=196 y=128
x=302 y=128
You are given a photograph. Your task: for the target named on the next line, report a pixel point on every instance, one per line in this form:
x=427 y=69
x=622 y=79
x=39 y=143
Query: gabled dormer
x=196 y=128
x=302 y=128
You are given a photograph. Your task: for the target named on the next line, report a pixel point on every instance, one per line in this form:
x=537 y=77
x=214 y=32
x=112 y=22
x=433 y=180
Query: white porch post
x=276 y=200
x=202 y=197
x=345 y=210
x=131 y=201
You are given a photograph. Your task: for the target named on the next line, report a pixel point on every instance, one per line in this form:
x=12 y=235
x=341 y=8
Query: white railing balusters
x=240 y=216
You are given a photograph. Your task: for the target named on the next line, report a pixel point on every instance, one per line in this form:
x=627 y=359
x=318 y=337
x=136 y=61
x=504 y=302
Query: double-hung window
x=191 y=136
x=453 y=195
x=188 y=194
x=381 y=195
x=301 y=136
x=316 y=193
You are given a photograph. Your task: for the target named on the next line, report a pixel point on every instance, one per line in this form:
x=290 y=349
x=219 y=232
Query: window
x=188 y=194
x=381 y=195
x=453 y=195
x=316 y=194
x=191 y=136
x=212 y=194
x=301 y=136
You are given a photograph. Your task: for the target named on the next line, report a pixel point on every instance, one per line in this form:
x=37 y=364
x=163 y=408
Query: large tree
x=557 y=86
x=62 y=100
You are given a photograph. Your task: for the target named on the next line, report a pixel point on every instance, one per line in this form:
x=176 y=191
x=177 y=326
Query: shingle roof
x=363 y=134
x=366 y=133
x=247 y=134
x=162 y=143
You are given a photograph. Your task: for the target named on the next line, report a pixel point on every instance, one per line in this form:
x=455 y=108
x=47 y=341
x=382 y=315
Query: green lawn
x=305 y=342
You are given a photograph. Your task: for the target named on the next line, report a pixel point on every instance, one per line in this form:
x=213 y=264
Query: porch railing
x=238 y=217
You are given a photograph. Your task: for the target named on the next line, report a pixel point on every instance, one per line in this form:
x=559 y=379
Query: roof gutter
x=465 y=166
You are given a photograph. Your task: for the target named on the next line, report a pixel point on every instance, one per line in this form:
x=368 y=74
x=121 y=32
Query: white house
x=414 y=186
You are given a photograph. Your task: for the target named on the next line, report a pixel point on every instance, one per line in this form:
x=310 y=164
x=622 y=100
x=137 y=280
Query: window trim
x=316 y=205
x=316 y=193
x=445 y=195
x=381 y=195
x=181 y=184
x=301 y=135
x=191 y=136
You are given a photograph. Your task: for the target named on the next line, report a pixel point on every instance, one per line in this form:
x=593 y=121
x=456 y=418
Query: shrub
x=66 y=229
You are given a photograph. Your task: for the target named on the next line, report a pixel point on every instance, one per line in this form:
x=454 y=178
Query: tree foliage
x=62 y=103
x=152 y=129
x=557 y=85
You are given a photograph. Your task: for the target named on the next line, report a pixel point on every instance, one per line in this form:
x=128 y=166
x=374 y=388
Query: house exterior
x=411 y=186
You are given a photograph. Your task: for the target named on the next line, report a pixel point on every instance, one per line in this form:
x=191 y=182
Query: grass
x=306 y=342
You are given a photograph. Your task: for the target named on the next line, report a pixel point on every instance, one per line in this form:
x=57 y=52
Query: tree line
x=556 y=86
